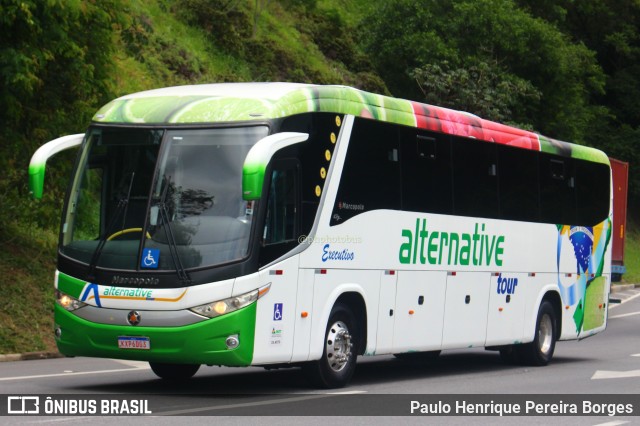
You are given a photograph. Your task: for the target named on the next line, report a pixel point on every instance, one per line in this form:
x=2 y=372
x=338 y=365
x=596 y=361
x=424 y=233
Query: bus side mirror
x=39 y=160
x=255 y=164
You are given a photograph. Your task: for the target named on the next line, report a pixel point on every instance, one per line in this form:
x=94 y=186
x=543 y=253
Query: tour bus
x=281 y=224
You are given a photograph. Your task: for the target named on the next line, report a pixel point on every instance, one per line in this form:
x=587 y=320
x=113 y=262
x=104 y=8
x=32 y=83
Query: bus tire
x=174 y=371
x=540 y=351
x=338 y=362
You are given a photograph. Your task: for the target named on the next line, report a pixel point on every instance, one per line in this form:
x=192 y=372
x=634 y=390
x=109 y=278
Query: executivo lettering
x=450 y=248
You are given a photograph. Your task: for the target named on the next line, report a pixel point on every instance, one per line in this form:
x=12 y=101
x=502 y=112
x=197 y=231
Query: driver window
x=280 y=224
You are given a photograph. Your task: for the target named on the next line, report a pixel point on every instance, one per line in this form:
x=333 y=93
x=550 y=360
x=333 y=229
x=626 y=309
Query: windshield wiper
x=122 y=206
x=183 y=276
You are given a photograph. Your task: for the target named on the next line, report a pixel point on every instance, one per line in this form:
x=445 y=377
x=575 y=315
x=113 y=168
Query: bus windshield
x=163 y=199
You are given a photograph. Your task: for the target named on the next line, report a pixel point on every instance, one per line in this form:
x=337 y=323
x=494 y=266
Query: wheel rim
x=545 y=334
x=338 y=346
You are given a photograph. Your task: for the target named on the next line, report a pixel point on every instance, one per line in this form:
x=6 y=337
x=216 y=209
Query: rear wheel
x=174 y=371
x=540 y=351
x=338 y=362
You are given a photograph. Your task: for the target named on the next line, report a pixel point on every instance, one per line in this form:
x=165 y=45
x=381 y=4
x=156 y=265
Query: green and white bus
x=279 y=224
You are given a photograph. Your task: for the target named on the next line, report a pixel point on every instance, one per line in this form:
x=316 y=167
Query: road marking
x=72 y=373
x=253 y=404
x=130 y=363
x=603 y=374
x=64 y=419
x=630 y=314
x=624 y=301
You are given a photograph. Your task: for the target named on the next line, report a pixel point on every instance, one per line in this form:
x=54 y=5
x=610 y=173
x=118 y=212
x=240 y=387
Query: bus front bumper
x=200 y=343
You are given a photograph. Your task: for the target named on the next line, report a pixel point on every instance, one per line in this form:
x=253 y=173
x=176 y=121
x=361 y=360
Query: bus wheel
x=338 y=362
x=174 y=371
x=540 y=351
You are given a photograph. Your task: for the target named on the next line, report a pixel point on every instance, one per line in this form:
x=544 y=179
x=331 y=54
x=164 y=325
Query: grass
x=351 y=11
x=632 y=252
x=27 y=264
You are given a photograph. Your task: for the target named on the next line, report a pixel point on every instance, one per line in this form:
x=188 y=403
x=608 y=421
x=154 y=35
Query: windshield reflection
x=194 y=216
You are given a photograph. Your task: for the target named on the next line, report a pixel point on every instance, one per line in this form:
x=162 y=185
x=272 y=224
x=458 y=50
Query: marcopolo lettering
x=422 y=246
x=142 y=281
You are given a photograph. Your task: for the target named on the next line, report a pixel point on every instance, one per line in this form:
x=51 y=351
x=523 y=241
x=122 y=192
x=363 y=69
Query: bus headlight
x=225 y=306
x=68 y=302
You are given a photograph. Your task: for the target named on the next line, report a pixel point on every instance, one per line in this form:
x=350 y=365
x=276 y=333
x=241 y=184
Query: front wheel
x=338 y=362
x=174 y=371
x=540 y=351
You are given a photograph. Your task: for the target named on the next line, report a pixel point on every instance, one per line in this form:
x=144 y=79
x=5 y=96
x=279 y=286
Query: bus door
x=386 y=311
x=420 y=301
x=465 y=315
x=506 y=308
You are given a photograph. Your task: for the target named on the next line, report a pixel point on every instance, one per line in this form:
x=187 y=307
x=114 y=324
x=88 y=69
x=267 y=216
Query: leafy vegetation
x=632 y=253
x=568 y=69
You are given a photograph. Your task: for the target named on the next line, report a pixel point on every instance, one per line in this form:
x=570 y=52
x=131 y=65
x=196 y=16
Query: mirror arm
x=39 y=160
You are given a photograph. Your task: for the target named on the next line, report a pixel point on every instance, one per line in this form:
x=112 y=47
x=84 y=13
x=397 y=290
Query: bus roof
x=229 y=102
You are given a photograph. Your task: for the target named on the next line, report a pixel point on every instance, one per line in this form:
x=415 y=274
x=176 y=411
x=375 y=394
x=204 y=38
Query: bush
x=227 y=24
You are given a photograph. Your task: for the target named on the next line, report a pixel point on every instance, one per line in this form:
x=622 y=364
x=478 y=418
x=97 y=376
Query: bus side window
x=518 y=184
x=557 y=190
x=280 y=221
x=475 y=183
x=280 y=232
x=592 y=192
x=370 y=177
x=426 y=172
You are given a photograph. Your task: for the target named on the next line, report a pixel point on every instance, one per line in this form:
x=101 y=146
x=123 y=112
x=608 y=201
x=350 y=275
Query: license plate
x=134 y=343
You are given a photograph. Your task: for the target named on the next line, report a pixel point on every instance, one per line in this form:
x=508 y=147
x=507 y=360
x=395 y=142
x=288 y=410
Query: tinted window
x=475 y=183
x=371 y=175
x=592 y=192
x=395 y=167
x=557 y=190
x=518 y=184
x=426 y=172
x=280 y=221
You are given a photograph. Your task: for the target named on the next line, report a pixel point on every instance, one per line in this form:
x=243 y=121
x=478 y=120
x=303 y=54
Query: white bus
x=287 y=224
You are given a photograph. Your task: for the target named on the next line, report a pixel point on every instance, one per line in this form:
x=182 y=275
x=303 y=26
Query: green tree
x=403 y=35
x=55 y=68
x=610 y=28
x=483 y=88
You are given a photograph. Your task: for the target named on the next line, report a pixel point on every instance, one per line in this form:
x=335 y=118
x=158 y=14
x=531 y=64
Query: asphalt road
x=608 y=363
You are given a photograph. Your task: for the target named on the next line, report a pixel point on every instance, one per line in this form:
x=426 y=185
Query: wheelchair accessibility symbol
x=277 y=312
x=150 y=258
